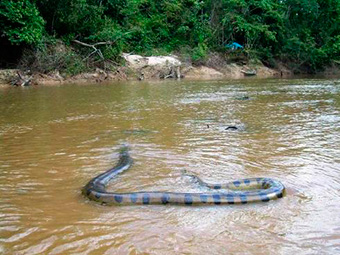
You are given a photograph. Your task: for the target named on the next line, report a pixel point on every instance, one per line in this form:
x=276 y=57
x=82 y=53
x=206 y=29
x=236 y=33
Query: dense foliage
x=20 y=22
x=304 y=33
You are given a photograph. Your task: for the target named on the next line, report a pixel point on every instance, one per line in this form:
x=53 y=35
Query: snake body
x=237 y=192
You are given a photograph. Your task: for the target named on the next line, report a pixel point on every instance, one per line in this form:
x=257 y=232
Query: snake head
x=124 y=148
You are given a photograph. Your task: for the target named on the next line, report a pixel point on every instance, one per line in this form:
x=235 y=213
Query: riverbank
x=156 y=68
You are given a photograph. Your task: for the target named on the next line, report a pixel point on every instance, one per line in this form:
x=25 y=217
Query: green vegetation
x=302 y=33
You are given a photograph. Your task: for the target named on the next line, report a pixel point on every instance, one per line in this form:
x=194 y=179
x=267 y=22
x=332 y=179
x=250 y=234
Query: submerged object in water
x=236 y=192
x=231 y=128
x=243 y=98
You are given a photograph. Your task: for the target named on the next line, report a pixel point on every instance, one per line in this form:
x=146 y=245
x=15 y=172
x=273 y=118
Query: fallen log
x=21 y=80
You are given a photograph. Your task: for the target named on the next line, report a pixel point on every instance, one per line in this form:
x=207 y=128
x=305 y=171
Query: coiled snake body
x=240 y=191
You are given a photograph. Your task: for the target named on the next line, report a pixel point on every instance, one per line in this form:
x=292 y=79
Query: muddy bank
x=9 y=76
x=233 y=71
x=138 y=67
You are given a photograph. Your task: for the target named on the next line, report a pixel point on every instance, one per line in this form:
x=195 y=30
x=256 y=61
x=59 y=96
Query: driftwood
x=94 y=47
x=173 y=73
x=21 y=80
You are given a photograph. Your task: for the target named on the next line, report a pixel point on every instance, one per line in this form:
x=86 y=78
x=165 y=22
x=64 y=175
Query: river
x=53 y=140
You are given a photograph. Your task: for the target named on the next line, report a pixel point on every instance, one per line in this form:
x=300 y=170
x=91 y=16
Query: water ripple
x=289 y=130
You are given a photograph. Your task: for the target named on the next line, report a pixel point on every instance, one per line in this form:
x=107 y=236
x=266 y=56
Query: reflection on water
x=54 y=139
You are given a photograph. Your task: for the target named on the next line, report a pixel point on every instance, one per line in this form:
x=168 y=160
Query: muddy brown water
x=54 y=139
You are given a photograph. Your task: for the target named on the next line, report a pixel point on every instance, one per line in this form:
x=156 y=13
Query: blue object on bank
x=234 y=46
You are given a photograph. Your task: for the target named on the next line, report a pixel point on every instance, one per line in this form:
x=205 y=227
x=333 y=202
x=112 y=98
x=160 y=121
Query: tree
x=20 y=22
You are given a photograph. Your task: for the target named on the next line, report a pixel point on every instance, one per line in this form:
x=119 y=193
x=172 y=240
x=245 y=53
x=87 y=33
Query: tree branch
x=93 y=46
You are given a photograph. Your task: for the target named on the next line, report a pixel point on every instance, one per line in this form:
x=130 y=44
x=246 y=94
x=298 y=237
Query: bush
x=200 y=53
x=51 y=55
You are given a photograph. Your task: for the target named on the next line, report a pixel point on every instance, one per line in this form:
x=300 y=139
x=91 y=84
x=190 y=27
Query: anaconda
x=237 y=192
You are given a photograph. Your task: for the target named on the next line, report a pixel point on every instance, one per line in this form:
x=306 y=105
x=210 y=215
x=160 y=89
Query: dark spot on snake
x=244 y=199
x=118 y=198
x=230 y=198
x=165 y=198
x=146 y=199
x=217 y=199
x=188 y=199
x=217 y=186
x=97 y=195
x=246 y=181
x=237 y=183
x=280 y=195
x=264 y=197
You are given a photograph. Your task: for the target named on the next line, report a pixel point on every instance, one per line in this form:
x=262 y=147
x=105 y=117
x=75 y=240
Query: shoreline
x=202 y=72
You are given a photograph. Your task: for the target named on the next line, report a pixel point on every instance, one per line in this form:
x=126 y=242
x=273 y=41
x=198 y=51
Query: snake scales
x=240 y=191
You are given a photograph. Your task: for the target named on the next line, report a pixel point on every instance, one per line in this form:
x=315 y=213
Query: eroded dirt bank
x=137 y=67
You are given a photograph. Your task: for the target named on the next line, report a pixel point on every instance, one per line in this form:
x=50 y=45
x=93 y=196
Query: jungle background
x=77 y=35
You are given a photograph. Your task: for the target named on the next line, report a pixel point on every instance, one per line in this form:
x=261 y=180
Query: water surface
x=54 y=139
